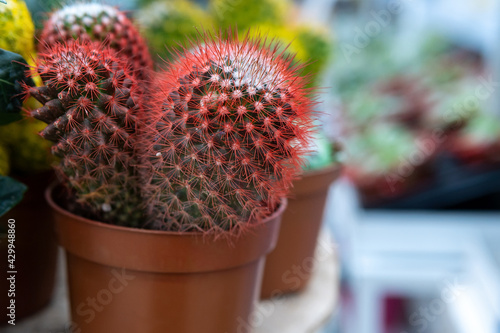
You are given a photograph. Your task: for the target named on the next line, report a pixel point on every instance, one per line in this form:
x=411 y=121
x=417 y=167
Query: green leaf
x=12 y=74
x=11 y=193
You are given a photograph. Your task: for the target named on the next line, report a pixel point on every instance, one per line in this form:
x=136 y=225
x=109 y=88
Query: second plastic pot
x=289 y=267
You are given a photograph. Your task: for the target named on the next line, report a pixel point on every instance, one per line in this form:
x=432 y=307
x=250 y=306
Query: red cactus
x=225 y=136
x=90 y=103
x=100 y=23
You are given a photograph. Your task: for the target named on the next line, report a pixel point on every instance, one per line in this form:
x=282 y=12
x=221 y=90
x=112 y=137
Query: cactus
x=245 y=14
x=90 y=103
x=29 y=152
x=17 y=29
x=100 y=23
x=225 y=136
x=168 y=24
x=4 y=161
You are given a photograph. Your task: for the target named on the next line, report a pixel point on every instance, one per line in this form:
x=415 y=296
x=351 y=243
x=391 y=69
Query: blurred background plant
x=27 y=152
x=430 y=96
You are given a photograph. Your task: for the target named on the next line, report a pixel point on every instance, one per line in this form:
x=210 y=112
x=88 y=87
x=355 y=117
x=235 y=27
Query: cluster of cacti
x=243 y=14
x=98 y=23
x=17 y=29
x=225 y=136
x=166 y=24
x=29 y=153
x=90 y=103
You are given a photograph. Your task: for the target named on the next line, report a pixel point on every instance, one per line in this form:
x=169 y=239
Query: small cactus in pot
x=225 y=136
x=89 y=21
x=90 y=103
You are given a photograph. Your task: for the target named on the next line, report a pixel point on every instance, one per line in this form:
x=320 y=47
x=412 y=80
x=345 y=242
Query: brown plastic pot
x=143 y=281
x=36 y=250
x=288 y=267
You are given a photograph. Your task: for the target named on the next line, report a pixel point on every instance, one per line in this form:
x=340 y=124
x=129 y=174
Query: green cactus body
x=318 y=48
x=166 y=24
x=4 y=161
x=310 y=45
x=90 y=103
x=244 y=14
x=100 y=23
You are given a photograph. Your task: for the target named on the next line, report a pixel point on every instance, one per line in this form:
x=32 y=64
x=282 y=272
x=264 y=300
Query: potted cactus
x=177 y=190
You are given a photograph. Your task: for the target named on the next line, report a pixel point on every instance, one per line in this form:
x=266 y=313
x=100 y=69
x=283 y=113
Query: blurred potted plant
x=478 y=142
x=190 y=189
x=386 y=161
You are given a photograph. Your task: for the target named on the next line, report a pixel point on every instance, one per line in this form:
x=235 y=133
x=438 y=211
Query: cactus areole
x=225 y=135
x=90 y=103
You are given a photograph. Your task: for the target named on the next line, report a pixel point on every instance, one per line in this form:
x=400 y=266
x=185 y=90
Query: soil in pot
x=143 y=281
x=289 y=267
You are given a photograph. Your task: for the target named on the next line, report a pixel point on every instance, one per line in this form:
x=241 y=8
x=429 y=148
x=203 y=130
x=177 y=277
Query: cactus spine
x=101 y=23
x=225 y=136
x=90 y=103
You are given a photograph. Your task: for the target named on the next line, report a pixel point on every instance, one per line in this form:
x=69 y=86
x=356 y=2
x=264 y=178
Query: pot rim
x=333 y=167
x=315 y=182
x=58 y=208
x=159 y=251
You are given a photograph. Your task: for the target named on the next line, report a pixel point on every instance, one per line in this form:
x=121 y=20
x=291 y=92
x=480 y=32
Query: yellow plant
x=4 y=161
x=29 y=152
x=17 y=29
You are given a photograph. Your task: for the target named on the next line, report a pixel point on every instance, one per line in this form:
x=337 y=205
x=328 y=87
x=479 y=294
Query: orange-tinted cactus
x=91 y=102
x=225 y=136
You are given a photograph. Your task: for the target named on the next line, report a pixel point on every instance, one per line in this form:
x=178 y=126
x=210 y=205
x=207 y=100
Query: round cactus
x=245 y=14
x=101 y=23
x=29 y=152
x=225 y=137
x=168 y=24
x=17 y=29
x=90 y=103
x=4 y=161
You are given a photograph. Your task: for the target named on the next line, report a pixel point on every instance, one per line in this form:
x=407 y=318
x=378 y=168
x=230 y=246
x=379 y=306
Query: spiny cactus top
x=17 y=29
x=90 y=103
x=102 y=23
x=225 y=136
